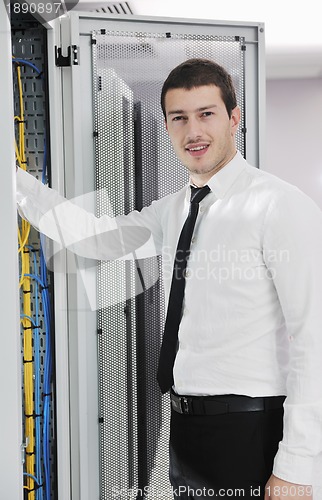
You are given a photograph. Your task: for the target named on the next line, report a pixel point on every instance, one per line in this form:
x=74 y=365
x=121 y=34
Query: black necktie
x=170 y=337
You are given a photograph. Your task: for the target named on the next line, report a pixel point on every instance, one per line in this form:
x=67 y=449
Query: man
x=248 y=330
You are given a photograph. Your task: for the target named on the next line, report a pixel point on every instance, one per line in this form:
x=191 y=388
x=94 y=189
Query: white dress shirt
x=252 y=313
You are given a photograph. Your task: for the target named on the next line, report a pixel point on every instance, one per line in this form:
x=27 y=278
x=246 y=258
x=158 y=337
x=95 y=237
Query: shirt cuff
x=293 y=468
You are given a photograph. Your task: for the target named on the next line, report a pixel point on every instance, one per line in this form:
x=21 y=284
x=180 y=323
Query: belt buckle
x=184 y=405
x=181 y=404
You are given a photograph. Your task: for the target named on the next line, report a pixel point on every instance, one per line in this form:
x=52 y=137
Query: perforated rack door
x=135 y=164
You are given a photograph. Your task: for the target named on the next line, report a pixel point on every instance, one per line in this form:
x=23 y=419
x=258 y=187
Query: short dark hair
x=197 y=72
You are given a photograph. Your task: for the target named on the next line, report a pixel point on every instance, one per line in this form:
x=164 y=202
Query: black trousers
x=223 y=456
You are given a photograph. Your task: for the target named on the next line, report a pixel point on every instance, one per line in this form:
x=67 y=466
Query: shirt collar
x=224 y=179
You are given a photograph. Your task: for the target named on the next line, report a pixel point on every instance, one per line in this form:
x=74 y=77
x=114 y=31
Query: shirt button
x=202 y=209
x=186 y=273
x=193 y=239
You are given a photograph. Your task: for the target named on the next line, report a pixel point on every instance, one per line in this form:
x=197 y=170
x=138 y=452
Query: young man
x=248 y=326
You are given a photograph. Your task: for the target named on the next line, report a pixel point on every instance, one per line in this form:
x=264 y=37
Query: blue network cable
x=26 y=63
x=37 y=376
x=37 y=382
x=30 y=475
x=39 y=491
x=47 y=374
x=43 y=283
x=48 y=355
x=44 y=170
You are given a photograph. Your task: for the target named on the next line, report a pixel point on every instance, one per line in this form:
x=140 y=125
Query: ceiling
x=293 y=34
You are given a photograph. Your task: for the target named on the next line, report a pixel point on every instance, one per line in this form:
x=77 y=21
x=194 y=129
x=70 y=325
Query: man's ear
x=235 y=119
x=166 y=124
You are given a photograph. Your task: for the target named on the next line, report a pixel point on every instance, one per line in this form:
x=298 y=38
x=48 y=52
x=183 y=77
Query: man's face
x=201 y=132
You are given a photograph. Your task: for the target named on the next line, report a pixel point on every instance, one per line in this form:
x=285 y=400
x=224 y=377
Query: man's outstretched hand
x=278 y=489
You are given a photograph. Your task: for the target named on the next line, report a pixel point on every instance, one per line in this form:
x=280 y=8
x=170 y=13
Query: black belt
x=216 y=405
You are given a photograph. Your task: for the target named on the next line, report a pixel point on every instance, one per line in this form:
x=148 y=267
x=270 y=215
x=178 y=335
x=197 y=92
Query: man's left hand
x=278 y=489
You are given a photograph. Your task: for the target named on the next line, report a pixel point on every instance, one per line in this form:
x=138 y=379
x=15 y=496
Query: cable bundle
x=34 y=287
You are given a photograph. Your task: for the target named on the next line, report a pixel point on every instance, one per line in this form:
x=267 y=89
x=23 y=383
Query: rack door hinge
x=70 y=60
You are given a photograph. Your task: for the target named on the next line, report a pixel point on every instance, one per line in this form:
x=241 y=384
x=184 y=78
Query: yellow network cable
x=25 y=284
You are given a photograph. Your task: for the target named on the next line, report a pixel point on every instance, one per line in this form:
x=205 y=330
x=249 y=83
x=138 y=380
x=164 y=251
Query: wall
x=294 y=133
